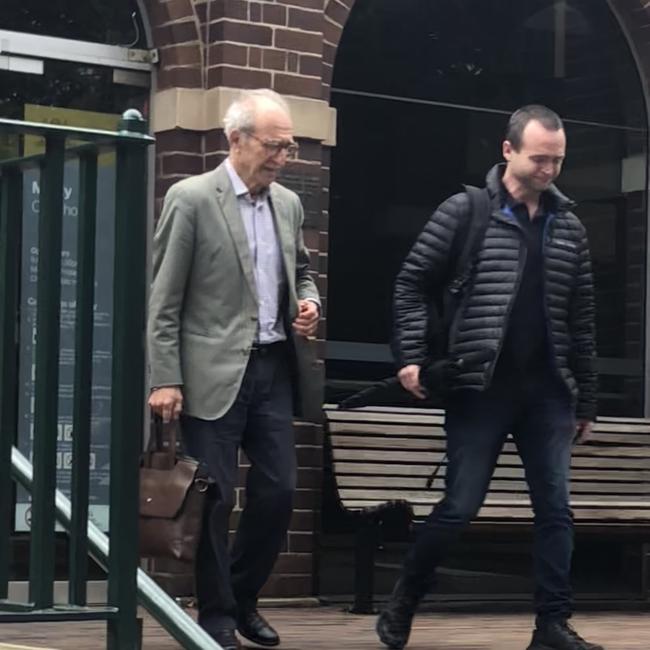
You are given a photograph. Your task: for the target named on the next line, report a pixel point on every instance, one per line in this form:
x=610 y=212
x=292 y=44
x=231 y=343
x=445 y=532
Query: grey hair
x=241 y=114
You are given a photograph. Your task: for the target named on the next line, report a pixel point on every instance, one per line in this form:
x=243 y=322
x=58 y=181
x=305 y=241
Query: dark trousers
x=540 y=417
x=260 y=423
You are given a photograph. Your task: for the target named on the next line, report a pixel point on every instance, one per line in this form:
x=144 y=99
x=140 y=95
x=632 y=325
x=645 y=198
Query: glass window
x=116 y=22
x=65 y=84
x=423 y=93
x=88 y=96
x=72 y=94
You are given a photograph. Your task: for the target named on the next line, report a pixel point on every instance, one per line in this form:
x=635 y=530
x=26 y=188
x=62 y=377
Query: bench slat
x=381 y=442
x=437 y=419
x=601 y=431
x=510 y=512
x=408 y=410
x=428 y=432
x=432 y=496
x=432 y=458
x=386 y=416
x=378 y=429
x=394 y=469
x=405 y=483
x=332 y=410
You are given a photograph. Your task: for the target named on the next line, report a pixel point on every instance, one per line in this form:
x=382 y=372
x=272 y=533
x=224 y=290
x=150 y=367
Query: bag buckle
x=201 y=484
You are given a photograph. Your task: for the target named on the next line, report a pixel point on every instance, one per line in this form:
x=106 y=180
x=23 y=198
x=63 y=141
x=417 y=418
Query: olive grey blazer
x=203 y=307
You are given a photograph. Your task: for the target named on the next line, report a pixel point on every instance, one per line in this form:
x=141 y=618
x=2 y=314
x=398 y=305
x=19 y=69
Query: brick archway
x=335 y=16
x=176 y=32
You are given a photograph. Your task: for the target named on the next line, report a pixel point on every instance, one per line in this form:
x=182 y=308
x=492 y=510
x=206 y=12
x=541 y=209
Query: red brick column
x=265 y=44
x=176 y=33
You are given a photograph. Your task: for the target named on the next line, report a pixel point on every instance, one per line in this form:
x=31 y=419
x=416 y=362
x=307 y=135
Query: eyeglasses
x=274 y=147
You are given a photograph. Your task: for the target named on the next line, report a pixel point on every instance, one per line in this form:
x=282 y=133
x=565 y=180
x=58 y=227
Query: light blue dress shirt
x=270 y=278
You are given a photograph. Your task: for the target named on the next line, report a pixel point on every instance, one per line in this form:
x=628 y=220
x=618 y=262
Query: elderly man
x=530 y=304
x=231 y=300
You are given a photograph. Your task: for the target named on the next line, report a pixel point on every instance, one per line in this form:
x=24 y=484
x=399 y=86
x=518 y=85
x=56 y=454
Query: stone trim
x=196 y=109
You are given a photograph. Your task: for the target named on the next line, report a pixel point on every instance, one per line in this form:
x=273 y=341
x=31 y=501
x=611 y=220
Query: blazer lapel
x=282 y=228
x=230 y=209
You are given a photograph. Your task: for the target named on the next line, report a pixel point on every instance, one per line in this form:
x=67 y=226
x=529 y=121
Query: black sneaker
x=394 y=623
x=559 y=635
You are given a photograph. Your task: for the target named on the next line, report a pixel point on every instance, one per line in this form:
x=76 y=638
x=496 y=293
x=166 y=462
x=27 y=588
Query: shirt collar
x=507 y=200
x=239 y=186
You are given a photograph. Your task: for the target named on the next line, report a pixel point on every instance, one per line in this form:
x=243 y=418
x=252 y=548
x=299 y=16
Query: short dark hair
x=549 y=119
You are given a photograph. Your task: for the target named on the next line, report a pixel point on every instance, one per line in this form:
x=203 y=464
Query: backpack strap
x=473 y=231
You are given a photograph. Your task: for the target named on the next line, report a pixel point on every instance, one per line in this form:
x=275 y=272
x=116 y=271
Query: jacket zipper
x=522 y=262
x=549 y=333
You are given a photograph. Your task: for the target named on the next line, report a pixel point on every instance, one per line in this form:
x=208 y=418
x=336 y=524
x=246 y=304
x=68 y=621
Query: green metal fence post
x=41 y=577
x=11 y=212
x=127 y=392
x=158 y=603
x=83 y=375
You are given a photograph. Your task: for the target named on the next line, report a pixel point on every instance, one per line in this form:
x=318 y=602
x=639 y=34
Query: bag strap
x=473 y=230
x=480 y=208
x=161 y=430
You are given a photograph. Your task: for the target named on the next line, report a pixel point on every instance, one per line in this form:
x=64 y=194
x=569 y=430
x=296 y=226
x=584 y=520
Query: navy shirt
x=525 y=350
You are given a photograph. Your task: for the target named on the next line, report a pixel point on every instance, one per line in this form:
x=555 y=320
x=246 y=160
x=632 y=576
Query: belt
x=264 y=349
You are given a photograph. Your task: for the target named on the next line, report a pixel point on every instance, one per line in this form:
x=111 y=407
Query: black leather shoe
x=559 y=635
x=394 y=623
x=226 y=638
x=254 y=627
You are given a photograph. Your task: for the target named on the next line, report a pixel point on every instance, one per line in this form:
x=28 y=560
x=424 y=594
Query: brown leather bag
x=172 y=498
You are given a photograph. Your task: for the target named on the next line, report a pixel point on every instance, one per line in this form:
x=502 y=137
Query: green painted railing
x=130 y=144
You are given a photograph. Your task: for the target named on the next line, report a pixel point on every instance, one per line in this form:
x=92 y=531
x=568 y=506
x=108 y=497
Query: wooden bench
x=381 y=458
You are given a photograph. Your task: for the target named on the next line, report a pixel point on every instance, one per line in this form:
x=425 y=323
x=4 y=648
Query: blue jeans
x=540 y=416
x=259 y=423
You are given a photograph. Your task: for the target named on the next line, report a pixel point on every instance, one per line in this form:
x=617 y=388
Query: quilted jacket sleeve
x=583 y=337
x=423 y=272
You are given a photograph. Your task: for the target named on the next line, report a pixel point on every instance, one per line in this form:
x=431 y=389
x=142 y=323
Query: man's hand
x=307 y=320
x=167 y=402
x=583 y=431
x=409 y=377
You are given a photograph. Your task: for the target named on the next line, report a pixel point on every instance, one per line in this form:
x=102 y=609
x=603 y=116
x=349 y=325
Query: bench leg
x=367 y=539
x=645 y=570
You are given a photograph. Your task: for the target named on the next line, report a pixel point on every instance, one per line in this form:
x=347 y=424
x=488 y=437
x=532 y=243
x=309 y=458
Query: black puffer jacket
x=480 y=324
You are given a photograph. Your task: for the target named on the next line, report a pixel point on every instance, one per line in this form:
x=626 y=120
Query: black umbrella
x=435 y=377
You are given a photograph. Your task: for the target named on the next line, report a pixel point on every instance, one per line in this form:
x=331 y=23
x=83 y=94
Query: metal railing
x=120 y=558
x=161 y=606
